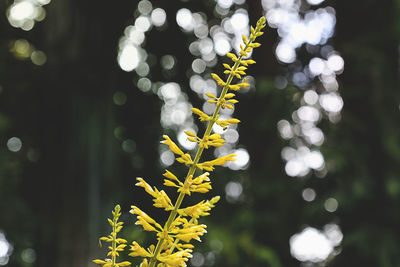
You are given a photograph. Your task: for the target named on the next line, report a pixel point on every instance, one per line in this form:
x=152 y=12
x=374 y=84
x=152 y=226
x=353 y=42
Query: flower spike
x=173 y=247
x=117 y=244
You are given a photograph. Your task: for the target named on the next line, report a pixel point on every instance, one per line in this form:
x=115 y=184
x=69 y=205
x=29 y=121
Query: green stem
x=173 y=246
x=114 y=242
x=192 y=168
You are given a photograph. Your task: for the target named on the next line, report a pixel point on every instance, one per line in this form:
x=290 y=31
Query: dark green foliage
x=56 y=200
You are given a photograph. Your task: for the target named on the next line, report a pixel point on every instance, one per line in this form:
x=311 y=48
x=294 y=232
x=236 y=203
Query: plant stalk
x=199 y=152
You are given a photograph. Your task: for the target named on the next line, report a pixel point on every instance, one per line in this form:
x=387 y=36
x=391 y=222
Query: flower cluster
x=173 y=248
x=117 y=244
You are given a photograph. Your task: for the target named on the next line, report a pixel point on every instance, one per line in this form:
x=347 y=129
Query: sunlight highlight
x=25 y=13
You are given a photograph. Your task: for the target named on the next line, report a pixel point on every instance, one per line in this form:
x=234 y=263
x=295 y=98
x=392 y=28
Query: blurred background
x=87 y=88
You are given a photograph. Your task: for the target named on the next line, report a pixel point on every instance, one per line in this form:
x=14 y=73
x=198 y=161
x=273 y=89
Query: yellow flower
x=219 y=81
x=172 y=146
x=177 y=259
x=201 y=114
x=209 y=165
x=189 y=231
x=200 y=184
x=210 y=95
x=232 y=56
x=180 y=246
x=101 y=262
x=145 y=220
x=138 y=251
x=186 y=159
x=224 y=124
x=144 y=263
x=161 y=199
x=211 y=140
x=200 y=209
x=117 y=244
x=122 y=264
x=171 y=176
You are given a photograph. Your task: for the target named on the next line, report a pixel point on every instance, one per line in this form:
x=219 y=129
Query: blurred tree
x=65 y=111
x=366 y=145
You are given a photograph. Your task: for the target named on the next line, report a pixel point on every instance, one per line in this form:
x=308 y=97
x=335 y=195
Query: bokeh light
x=158 y=17
x=197 y=259
x=296 y=27
x=21 y=49
x=28 y=255
x=38 y=58
x=128 y=57
x=144 y=84
x=313 y=245
x=231 y=136
x=309 y=194
x=128 y=145
x=14 y=144
x=168 y=62
x=285 y=53
x=184 y=19
x=5 y=249
x=315 y=2
x=301 y=160
x=335 y=63
x=331 y=102
x=167 y=158
x=242 y=160
x=145 y=7
x=233 y=191
x=24 y=13
x=331 y=205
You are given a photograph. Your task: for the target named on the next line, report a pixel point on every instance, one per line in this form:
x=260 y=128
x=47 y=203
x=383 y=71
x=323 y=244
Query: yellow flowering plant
x=173 y=247
x=117 y=244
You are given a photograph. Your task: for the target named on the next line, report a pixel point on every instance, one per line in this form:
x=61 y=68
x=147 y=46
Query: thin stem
x=113 y=242
x=173 y=246
x=192 y=168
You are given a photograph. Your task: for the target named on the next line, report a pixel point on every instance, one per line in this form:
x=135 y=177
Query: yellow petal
x=218 y=79
x=229 y=95
x=101 y=262
x=171 y=176
x=234 y=87
x=135 y=210
x=172 y=146
x=146 y=226
x=192 y=139
x=124 y=263
x=234 y=121
x=214 y=136
x=144 y=263
x=201 y=114
x=243 y=53
x=170 y=183
x=249 y=61
x=210 y=95
x=227 y=66
x=146 y=186
x=244 y=39
x=138 y=251
x=232 y=56
x=189 y=133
